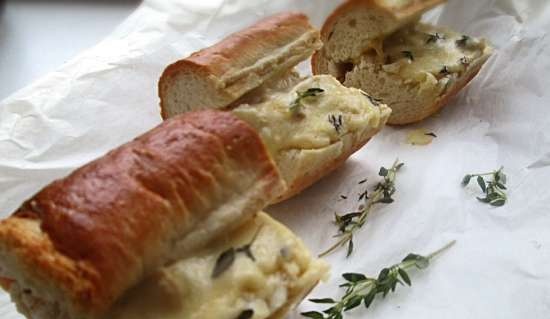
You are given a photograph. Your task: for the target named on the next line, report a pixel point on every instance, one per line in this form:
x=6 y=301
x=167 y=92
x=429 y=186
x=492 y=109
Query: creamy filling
x=274 y=274
x=420 y=50
x=318 y=120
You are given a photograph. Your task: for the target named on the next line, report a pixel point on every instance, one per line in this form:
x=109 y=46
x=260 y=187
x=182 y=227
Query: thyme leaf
x=408 y=55
x=374 y=101
x=227 y=258
x=434 y=37
x=336 y=122
x=246 y=314
x=296 y=105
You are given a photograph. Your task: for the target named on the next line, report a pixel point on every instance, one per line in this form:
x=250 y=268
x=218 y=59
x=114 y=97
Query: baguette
x=217 y=76
x=306 y=146
x=414 y=68
x=73 y=249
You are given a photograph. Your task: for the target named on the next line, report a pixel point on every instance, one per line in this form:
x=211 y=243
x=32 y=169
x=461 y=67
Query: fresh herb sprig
x=362 y=289
x=350 y=223
x=227 y=258
x=296 y=105
x=493 y=188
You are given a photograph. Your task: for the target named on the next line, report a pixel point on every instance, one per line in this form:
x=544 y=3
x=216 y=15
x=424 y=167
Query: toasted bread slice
x=414 y=68
x=305 y=146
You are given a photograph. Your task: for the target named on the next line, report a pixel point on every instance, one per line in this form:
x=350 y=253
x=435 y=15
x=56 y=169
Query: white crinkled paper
x=500 y=266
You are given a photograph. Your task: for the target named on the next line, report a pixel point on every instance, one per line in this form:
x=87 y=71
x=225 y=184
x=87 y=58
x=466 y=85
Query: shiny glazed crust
x=82 y=241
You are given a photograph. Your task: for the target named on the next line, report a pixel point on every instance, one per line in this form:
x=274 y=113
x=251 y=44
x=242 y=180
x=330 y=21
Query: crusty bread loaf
x=76 y=246
x=266 y=101
x=217 y=76
x=413 y=67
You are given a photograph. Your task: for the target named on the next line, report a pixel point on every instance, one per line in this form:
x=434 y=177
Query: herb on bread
x=464 y=61
x=408 y=55
x=493 y=189
x=349 y=223
x=374 y=101
x=463 y=41
x=227 y=258
x=246 y=314
x=434 y=37
x=445 y=70
x=296 y=105
x=360 y=289
x=336 y=121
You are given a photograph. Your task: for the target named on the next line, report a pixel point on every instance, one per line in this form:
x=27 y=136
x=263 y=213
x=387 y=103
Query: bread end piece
x=217 y=76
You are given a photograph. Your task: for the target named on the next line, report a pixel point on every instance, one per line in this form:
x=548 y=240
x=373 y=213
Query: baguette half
x=414 y=68
x=305 y=147
x=79 y=244
x=217 y=76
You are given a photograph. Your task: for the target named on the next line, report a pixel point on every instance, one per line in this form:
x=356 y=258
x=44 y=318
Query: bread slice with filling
x=311 y=125
x=382 y=48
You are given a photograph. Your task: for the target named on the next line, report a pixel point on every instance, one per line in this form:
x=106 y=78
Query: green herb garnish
x=296 y=105
x=361 y=289
x=374 y=101
x=408 y=55
x=227 y=258
x=464 y=61
x=246 y=314
x=493 y=189
x=336 y=122
x=463 y=41
x=349 y=223
x=434 y=37
x=444 y=70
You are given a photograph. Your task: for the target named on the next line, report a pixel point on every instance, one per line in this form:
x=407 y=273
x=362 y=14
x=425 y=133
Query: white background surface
x=499 y=267
x=37 y=37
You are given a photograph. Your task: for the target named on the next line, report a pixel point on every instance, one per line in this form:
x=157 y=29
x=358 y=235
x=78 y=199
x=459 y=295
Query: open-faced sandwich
x=381 y=47
x=166 y=226
x=311 y=125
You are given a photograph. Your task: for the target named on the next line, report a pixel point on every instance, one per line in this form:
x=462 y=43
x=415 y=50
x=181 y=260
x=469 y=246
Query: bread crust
x=246 y=59
x=319 y=172
x=85 y=239
x=400 y=16
x=413 y=116
x=321 y=63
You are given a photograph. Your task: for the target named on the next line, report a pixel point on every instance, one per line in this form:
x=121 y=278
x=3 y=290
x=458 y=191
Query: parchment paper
x=499 y=267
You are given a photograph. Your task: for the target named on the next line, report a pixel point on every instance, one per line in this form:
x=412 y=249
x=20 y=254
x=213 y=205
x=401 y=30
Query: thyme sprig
x=362 y=289
x=493 y=188
x=296 y=105
x=350 y=223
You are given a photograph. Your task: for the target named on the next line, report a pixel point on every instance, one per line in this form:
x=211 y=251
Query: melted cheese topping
x=322 y=120
x=281 y=273
x=422 y=49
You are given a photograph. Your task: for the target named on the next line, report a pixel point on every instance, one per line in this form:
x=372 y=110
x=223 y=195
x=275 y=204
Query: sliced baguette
x=408 y=67
x=264 y=101
x=217 y=76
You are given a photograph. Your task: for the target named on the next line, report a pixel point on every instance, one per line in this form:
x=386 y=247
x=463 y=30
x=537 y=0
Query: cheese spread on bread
x=324 y=119
x=422 y=49
x=280 y=274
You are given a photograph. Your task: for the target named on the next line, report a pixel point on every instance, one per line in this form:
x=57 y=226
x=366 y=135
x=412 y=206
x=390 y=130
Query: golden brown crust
x=98 y=231
x=355 y=144
x=419 y=115
x=234 y=60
